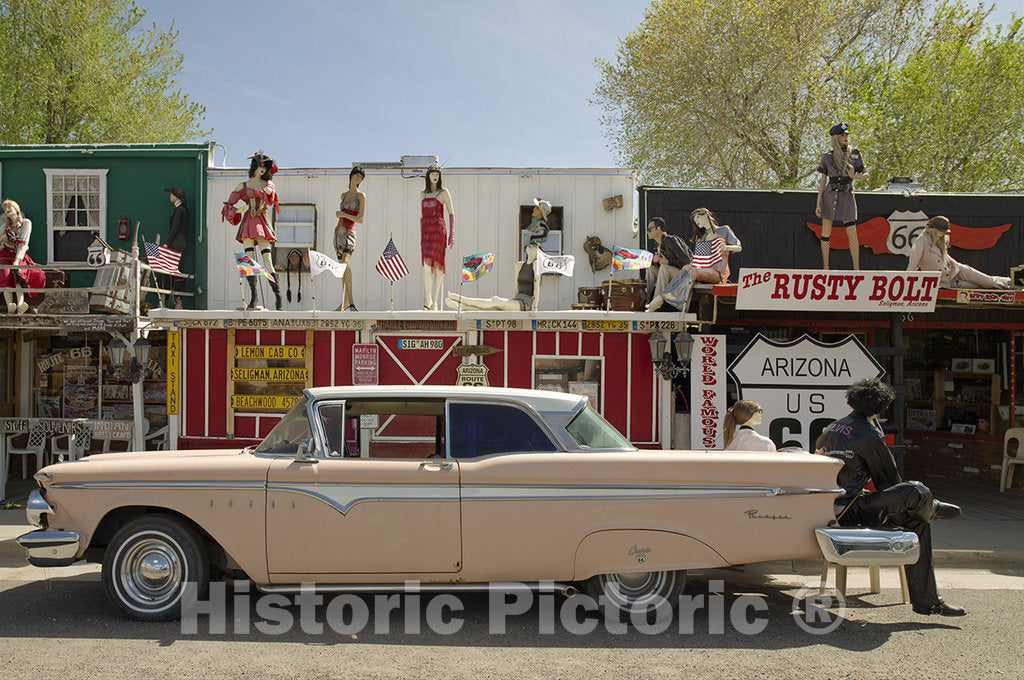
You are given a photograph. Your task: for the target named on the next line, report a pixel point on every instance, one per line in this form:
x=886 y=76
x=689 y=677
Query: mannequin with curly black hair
x=857 y=441
x=256 y=222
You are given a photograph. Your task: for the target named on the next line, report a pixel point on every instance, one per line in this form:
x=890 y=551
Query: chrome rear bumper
x=868 y=547
x=50 y=548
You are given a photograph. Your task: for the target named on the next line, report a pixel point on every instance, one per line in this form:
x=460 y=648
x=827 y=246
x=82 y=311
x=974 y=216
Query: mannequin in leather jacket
x=858 y=442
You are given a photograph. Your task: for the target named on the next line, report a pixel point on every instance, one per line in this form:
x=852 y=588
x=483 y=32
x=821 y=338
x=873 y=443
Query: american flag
x=162 y=258
x=391 y=266
x=707 y=253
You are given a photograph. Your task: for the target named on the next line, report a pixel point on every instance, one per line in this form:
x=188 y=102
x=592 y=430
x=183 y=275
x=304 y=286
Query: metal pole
x=138 y=411
x=899 y=405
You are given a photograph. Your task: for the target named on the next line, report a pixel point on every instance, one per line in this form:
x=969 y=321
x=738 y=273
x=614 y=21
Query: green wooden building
x=72 y=193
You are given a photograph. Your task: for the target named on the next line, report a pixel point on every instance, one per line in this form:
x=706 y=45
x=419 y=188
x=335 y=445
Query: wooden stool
x=873 y=576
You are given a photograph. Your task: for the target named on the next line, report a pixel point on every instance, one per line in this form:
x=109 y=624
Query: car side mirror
x=302 y=454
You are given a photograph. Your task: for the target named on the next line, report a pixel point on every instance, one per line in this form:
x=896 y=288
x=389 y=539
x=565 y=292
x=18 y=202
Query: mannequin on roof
x=434 y=239
x=256 y=221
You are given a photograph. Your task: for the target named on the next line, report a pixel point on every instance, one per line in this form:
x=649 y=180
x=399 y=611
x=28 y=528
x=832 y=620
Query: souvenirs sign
x=815 y=290
x=801 y=384
x=707 y=391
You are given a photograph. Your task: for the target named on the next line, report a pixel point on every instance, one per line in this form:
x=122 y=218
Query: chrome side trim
x=50 y=548
x=343 y=498
x=171 y=484
x=531 y=492
x=36 y=507
x=416 y=587
x=868 y=547
x=799 y=491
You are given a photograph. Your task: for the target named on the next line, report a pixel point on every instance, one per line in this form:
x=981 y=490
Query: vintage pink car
x=365 y=488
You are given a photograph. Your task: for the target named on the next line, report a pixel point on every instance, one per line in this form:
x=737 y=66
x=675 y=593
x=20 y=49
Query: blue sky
x=476 y=82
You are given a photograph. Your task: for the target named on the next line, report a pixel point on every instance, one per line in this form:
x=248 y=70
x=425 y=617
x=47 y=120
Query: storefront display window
x=569 y=375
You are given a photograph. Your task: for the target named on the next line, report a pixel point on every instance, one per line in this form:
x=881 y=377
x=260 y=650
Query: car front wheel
x=642 y=592
x=148 y=563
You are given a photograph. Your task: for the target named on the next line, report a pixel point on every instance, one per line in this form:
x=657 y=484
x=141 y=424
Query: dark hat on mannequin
x=939 y=223
x=839 y=129
x=176 y=192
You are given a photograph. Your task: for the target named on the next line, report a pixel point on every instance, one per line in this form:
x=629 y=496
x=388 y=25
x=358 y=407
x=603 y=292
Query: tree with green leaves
x=948 y=114
x=86 y=71
x=741 y=93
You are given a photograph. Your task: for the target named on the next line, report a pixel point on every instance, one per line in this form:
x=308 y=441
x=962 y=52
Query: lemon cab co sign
x=801 y=384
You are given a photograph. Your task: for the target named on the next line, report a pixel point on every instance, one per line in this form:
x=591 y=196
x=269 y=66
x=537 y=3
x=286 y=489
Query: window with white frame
x=295 y=227
x=76 y=210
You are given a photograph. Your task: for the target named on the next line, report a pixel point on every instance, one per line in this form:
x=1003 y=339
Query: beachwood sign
x=814 y=290
x=801 y=384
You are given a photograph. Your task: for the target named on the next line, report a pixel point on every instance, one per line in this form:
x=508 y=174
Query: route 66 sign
x=904 y=228
x=474 y=375
x=98 y=253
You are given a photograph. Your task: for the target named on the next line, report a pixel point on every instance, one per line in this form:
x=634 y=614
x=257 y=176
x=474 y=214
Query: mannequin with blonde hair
x=930 y=253
x=740 y=421
x=15 y=231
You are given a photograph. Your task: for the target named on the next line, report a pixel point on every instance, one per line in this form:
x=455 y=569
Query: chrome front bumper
x=50 y=548
x=868 y=547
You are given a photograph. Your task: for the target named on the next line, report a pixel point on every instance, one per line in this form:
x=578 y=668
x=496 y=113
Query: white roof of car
x=540 y=400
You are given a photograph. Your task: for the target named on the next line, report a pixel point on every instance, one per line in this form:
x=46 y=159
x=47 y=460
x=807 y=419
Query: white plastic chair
x=1006 y=478
x=158 y=434
x=77 y=445
x=36 y=446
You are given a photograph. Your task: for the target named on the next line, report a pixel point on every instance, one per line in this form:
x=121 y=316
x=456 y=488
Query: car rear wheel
x=148 y=563
x=642 y=592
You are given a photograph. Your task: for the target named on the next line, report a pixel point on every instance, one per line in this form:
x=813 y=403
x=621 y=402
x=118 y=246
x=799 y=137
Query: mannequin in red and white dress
x=15 y=231
x=256 y=222
x=434 y=240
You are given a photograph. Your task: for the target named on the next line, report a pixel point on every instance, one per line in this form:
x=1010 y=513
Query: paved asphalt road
x=63 y=628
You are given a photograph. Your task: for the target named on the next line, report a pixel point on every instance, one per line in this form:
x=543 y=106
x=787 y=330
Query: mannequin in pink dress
x=256 y=221
x=434 y=241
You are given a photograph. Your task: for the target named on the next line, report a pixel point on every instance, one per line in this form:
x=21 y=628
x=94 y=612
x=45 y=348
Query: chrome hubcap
x=640 y=589
x=151 y=572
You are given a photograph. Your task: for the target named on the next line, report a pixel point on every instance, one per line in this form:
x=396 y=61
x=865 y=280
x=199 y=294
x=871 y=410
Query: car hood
x=228 y=464
x=158 y=455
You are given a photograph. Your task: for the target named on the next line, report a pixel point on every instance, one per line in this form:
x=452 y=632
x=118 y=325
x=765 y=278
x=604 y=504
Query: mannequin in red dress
x=15 y=231
x=433 y=239
x=255 y=223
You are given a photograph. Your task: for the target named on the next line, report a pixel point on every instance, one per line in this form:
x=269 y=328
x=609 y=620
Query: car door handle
x=436 y=467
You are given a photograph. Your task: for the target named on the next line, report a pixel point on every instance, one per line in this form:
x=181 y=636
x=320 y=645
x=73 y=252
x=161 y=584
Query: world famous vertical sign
x=707 y=391
x=801 y=384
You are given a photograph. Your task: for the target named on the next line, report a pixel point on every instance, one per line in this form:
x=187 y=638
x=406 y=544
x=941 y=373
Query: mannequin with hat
x=836 y=203
x=177 y=233
x=930 y=254
x=256 y=220
x=434 y=239
x=526 y=298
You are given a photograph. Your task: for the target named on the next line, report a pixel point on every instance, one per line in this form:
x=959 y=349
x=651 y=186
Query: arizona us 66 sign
x=801 y=384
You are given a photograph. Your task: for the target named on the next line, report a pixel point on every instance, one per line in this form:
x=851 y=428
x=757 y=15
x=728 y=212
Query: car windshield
x=288 y=432
x=591 y=431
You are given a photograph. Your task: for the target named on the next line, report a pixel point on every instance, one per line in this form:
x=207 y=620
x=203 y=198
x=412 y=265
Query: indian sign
x=801 y=384
x=826 y=291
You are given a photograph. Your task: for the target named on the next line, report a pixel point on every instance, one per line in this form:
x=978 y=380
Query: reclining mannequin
x=929 y=254
x=525 y=299
x=15 y=232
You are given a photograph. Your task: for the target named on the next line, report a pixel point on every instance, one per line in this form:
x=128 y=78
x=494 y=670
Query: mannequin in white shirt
x=740 y=421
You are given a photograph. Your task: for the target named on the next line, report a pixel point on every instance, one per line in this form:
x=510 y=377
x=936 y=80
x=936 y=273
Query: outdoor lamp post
x=661 y=355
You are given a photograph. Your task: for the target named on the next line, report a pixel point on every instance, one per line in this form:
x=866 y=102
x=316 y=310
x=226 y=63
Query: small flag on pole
x=250 y=267
x=629 y=258
x=161 y=258
x=554 y=264
x=391 y=266
x=707 y=253
x=320 y=263
x=476 y=265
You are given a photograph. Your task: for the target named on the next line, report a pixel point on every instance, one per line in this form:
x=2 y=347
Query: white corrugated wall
x=486 y=204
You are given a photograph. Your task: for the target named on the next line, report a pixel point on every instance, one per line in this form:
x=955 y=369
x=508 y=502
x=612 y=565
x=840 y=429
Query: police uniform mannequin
x=836 y=203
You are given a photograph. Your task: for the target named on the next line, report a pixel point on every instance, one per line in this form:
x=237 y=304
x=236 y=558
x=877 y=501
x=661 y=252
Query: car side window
x=484 y=429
